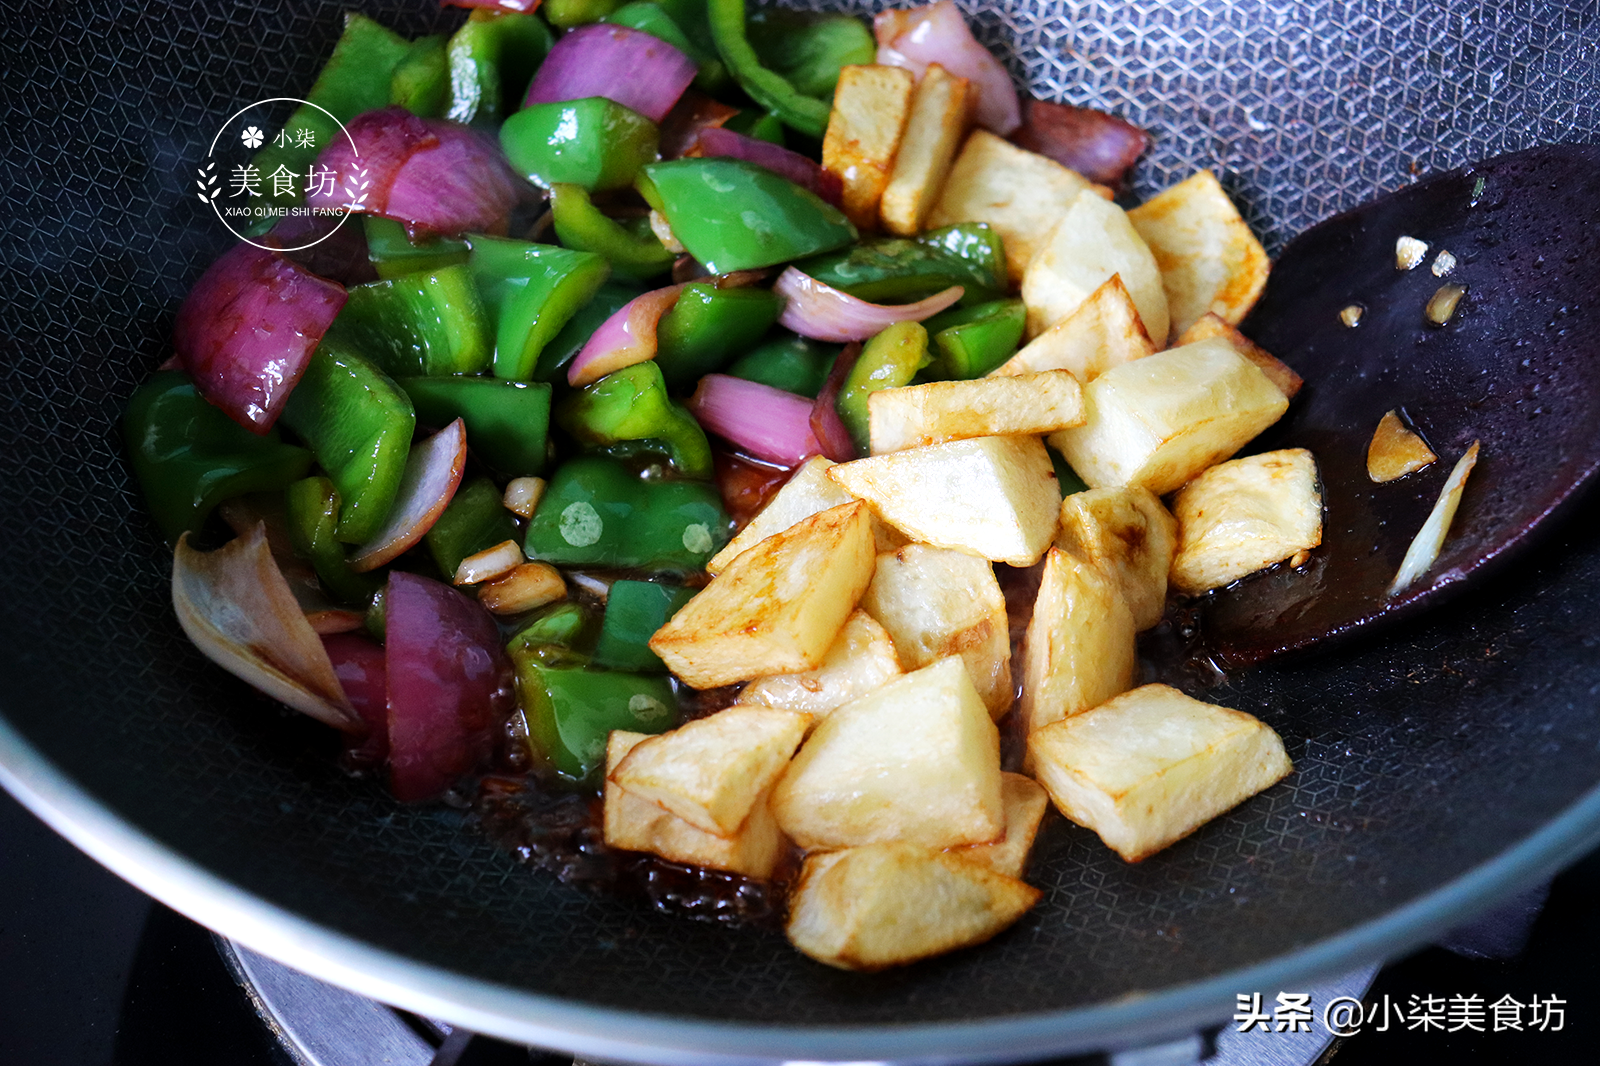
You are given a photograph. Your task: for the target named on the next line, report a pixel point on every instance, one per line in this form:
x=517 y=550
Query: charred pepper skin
x=632 y=404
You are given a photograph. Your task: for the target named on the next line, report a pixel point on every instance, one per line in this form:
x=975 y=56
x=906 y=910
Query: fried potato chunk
x=916 y=415
x=1105 y=331
x=635 y=824
x=1025 y=803
x=870 y=107
x=1244 y=515
x=1129 y=535
x=1153 y=765
x=778 y=607
x=884 y=905
x=1209 y=259
x=993 y=496
x=1079 y=650
x=861 y=659
x=808 y=490
x=917 y=760
x=1021 y=194
x=1160 y=420
x=710 y=772
x=1093 y=241
x=1211 y=325
x=941 y=114
x=1396 y=450
x=936 y=602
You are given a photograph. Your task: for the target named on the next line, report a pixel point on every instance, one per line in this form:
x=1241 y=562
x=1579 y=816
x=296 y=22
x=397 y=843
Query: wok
x=1439 y=766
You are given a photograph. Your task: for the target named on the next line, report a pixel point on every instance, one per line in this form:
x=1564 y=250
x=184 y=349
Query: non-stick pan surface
x=1436 y=766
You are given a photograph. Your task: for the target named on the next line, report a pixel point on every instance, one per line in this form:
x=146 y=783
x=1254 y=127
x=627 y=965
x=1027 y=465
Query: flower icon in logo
x=252 y=137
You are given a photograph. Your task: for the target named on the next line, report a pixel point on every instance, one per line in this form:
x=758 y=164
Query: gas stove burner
x=321 y=1025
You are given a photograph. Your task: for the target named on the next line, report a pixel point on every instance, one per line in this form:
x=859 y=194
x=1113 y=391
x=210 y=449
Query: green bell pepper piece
x=532 y=290
x=646 y=16
x=771 y=221
x=896 y=270
x=1068 y=477
x=887 y=361
x=631 y=404
x=359 y=424
x=565 y=14
x=978 y=244
x=607 y=300
x=791 y=363
x=393 y=254
x=571 y=711
x=594 y=142
x=355 y=79
x=492 y=58
x=809 y=48
x=475 y=520
x=762 y=125
x=767 y=87
x=708 y=326
x=555 y=632
x=634 y=611
x=632 y=248
x=188 y=456
x=595 y=512
x=421 y=80
x=507 y=422
x=311 y=507
x=968 y=342
x=429 y=322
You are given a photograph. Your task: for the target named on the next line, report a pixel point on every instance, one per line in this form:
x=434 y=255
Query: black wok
x=1439 y=766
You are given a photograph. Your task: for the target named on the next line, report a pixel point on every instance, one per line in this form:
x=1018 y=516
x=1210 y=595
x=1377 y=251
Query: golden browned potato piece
x=1396 y=450
x=1025 y=802
x=635 y=824
x=884 y=905
x=915 y=415
x=992 y=496
x=1244 y=515
x=1152 y=766
x=917 y=760
x=861 y=659
x=1093 y=241
x=808 y=490
x=1105 y=331
x=711 y=771
x=941 y=113
x=1129 y=535
x=1079 y=650
x=870 y=107
x=1209 y=259
x=778 y=607
x=1160 y=420
x=1211 y=325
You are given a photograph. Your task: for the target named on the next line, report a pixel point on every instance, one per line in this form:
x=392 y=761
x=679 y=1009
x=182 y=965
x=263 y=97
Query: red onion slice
x=826 y=424
x=938 y=34
x=449 y=685
x=360 y=667
x=435 y=176
x=762 y=421
x=247 y=330
x=823 y=313
x=236 y=607
x=626 y=338
x=433 y=470
x=804 y=172
x=636 y=70
x=1099 y=146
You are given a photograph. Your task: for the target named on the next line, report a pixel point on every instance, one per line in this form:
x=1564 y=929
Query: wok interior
x=1419 y=754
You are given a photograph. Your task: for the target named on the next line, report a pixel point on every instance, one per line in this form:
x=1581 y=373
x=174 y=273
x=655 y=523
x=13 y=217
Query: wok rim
x=602 y=1032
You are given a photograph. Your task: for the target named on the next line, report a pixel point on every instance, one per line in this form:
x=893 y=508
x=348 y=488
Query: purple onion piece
x=760 y=420
x=634 y=69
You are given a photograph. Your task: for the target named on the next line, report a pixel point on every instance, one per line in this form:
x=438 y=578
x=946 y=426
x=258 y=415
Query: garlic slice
x=1425 y=546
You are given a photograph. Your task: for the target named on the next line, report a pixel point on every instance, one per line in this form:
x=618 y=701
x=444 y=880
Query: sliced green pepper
x=593 y=142
x=631 y=404
x=189 y=456
x=532 y=290
x=1068 y=477
x=565 y=14
x=632 y=248
x=429 y=322
x=708 y=326
x=359 y=424
x=571 y=711
x=560 y=628
x=355 y=79
x=773 y=220
x=507 y=421
x=809 y=48
x=791 y=363
x=597 y=513
x=978 y=244
x=766 y=87
x=492 y=58
x=634 y=611
x=421 y=81
x=311 y=507
x=887 y=361
x=762 y=125
x=653 y=18
x=968 y=342
x=896 y=270
x=393 y=254
x=607 y=300
x=475 y=520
